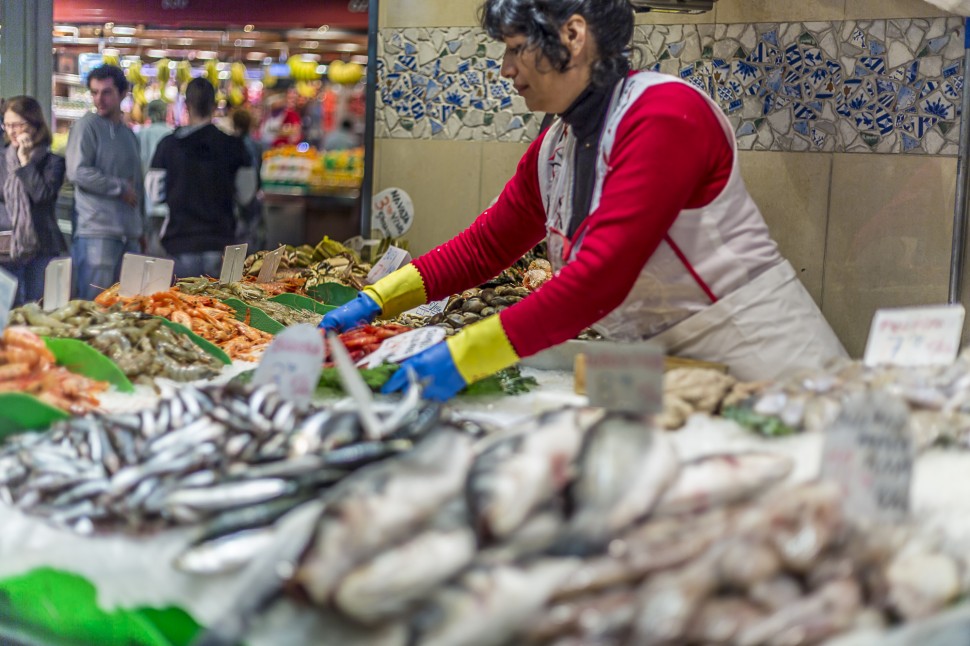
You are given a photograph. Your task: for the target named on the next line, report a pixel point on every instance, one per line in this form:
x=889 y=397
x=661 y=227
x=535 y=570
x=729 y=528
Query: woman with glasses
x=30 y=177
x=637 y=190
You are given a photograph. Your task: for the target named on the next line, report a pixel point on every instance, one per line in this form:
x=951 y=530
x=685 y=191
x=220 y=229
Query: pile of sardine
x=251 y=295
x=201 y=453
x=938 y=398
x=141 y=346
x=581 y=528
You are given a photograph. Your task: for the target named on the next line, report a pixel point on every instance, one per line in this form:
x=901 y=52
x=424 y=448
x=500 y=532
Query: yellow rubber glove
x=399 y=291
x=482 y=349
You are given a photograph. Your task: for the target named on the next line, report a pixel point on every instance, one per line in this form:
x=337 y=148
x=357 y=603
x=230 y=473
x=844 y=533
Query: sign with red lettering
x=293 y=362
x=626 y=377
x=915 y=336
x=392 y=212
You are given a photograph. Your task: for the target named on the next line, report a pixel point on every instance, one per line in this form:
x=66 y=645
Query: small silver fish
x=226 y=553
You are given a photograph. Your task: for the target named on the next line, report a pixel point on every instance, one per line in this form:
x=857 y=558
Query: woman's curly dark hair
x=540 y=21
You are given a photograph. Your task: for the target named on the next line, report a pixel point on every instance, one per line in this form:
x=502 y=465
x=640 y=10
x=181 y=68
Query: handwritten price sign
x=293 y=362
x=919 y=336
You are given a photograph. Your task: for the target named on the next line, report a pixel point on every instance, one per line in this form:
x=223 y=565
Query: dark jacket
x=42 y=177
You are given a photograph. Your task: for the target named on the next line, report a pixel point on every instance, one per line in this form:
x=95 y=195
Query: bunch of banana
x=268 y=79
x=344 y=73
x=110 y=59
x=237 y=73
x=302 y=69
x=237 y=84
x=138 y=95
x=212 y=72
x=183 y=73
x=163 y=71
x=306 y=90
x=134 y=74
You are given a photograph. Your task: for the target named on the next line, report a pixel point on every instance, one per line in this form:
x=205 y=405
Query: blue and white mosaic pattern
x=887 y=86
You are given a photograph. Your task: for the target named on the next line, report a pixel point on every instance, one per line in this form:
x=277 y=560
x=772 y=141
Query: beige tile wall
x=428 y=13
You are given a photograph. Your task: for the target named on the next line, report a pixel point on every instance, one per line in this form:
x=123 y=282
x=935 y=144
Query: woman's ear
x=574 y=34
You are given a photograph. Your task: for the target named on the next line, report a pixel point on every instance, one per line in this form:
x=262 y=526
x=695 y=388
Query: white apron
x=716 y=289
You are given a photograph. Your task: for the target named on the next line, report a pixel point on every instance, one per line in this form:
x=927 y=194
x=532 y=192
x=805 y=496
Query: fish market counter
x=129 y=571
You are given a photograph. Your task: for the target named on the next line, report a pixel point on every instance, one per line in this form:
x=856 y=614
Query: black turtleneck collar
x=586 y=114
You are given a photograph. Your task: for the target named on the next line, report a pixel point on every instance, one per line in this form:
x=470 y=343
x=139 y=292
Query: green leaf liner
x=332 y=293
x=257 y=317
x=57 y=607
x=298 y=302
x=82 y=359
x=21 y=412
x=208 y=346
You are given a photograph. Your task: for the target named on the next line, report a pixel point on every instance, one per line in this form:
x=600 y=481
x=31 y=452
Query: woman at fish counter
x=637 y=189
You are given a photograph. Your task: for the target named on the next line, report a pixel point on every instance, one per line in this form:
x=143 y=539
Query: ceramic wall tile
x=888 y=240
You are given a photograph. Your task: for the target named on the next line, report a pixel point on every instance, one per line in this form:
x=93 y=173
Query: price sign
x=429 y=309
x=626 y=377
x=869 y=453
x=392 y=212
x=8 y=292
x=392 y=260
x=400 y=347
x=57 y=284
x=271 y=262
x=293 y=362
x=144 y=275
x=918 y=336
x=232 y=263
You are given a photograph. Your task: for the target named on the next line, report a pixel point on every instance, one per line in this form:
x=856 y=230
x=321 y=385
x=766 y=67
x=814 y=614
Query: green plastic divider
x=54 y=606
x=303 y=303
x=21 y=412
x=257 y=317
x=332 y=293
x=82 y=359
x=208 y=346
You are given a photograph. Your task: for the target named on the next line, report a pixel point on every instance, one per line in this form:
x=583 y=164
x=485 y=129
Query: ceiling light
x=248 y=28
x=347 y=47
x=248 y=42
x=323 y=28
x=109 y=25
x=109 y=51
x=309 y=44
x=310 y=57
x=321 y=69
x=206 y=54
x=183 y=41
x=124 y=31
x=255 y=56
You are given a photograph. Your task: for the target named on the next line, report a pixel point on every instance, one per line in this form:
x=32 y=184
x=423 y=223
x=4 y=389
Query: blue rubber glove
x=360 y=311
x=435 y=369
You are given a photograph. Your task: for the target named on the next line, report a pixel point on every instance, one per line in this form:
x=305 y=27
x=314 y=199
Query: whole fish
x=722 y=479
x=625 y=467
x=225 y=553
x=228 y=495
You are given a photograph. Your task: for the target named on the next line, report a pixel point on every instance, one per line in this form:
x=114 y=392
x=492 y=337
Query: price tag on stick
x=392 y=260
x=392 y=212
x=8 y=292
x=400 y=347
x=293 y=362
x=430 y=309
x=144 y=275
x=869 y=453
x=626 y=377
x=916 y=336
x=232 y=263
x=57 y=284
x=271 y=263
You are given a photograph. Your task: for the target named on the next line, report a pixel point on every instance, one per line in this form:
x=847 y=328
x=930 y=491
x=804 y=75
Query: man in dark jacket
x=199 y=171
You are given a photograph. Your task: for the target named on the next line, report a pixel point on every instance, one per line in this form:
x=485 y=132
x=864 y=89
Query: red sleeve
x=670 y=153
x=496 y=239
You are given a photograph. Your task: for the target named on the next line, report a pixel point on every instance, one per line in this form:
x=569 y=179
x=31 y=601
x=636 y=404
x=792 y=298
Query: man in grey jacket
x=104 y=164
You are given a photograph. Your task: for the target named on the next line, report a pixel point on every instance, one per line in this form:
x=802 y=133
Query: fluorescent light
x=124 y=31
x=321 y=69
x=255 y=56
x=206 y=54
x=156 y=53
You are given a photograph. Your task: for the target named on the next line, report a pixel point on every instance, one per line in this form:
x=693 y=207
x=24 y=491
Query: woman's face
x=15 y=126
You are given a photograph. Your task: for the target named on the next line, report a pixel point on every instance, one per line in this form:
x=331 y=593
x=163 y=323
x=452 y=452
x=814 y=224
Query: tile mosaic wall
x=886 y=86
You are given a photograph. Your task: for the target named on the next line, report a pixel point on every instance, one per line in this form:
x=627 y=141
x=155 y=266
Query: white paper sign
x=392 y=212
x=429 y=309
x=392 y=260
x=144 y=275
x=869 y=454
x=626 y=377
x=400 y=347
x=271 y=262
x=232 y=263
x=8 y=292
x=918 y=336
x=57 y=284
x=293 y=362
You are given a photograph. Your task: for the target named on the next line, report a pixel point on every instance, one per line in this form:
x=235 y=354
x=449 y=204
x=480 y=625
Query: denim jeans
x=204 y=263
x=30 y=278
x=97 y=263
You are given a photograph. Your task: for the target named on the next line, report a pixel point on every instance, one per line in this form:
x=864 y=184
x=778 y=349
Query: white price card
x=392 y=212
x=869 y=454
x=144 y=275
x=293 y=362
x=271 y=262
x=403 y=346
x=57 y=284
x=429 y=309
x=232 y=263
x=392 y=260
x=917 y=336
x=626 y=377
x=8 y=292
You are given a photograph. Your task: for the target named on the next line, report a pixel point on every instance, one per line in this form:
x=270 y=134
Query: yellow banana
x=212 y=72
x=110 y=59
x=162 y=71
x=183 y=72
x=237 y=73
